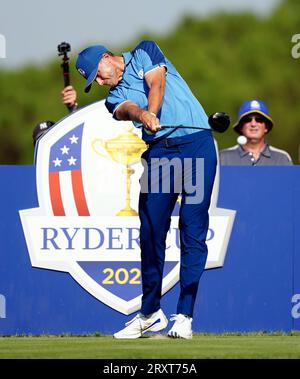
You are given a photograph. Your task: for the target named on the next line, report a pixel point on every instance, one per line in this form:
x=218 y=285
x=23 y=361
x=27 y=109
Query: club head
x=219 y=121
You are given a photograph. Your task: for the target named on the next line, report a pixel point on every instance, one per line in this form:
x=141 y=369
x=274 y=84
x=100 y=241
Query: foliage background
x=225 y=58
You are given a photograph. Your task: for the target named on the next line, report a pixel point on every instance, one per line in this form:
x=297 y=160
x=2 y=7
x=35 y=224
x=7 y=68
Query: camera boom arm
x=63 y=49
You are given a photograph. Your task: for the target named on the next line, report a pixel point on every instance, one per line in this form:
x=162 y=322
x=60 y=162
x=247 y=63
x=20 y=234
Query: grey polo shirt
x=270 y=156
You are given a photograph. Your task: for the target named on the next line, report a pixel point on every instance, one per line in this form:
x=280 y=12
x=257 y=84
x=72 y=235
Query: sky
x=31 y=30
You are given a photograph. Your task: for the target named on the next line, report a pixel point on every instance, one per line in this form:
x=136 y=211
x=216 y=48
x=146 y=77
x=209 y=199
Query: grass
x=202 y=346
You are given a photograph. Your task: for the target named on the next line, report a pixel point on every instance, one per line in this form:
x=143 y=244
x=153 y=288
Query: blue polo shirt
x=180 y=106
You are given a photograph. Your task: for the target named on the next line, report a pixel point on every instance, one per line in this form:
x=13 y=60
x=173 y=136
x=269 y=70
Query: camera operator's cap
x=40 y=129
x=253 y=106
x=87 y=63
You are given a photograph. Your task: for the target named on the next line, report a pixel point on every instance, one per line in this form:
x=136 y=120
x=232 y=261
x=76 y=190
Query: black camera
x=63 y=48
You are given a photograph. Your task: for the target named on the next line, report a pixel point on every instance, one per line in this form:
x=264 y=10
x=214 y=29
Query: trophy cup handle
x=99 y=147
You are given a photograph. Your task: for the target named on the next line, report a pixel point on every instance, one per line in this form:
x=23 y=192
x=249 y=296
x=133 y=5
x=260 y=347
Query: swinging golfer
x=146 y=89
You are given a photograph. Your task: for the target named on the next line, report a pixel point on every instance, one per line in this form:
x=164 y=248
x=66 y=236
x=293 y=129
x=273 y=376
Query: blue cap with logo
x=87 y=63
x=253 y=106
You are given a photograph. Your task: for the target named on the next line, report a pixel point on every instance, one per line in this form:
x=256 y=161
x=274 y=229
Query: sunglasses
x=258 y=119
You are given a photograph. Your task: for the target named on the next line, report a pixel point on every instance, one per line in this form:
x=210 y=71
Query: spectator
x=254 y=123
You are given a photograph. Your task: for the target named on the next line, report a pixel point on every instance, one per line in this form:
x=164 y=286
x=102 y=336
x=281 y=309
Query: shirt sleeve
x=115 y=98
x=149 y=56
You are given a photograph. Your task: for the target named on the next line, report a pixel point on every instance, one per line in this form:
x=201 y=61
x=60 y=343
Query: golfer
x=146 y=89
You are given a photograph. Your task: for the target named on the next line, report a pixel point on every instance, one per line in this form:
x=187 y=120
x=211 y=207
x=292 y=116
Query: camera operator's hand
x=69 y=96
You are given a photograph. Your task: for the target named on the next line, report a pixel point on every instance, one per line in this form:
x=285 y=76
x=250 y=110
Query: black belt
x=173 y=141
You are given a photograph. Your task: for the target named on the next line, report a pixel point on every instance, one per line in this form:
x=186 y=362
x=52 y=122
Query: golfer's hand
x=150 y=121
x=69 y=96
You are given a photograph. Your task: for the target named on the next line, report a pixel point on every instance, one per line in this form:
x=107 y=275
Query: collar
x=242 y=151
x=266 y=151
x=127 y=57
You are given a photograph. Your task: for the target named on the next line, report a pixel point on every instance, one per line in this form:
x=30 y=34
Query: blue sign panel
x=295 y=299
x=257 y=289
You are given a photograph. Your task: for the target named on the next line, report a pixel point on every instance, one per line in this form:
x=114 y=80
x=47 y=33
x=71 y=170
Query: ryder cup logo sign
x=87 y=171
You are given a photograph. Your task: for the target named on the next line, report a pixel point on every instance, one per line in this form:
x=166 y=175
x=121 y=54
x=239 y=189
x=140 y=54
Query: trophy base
x=127 y=212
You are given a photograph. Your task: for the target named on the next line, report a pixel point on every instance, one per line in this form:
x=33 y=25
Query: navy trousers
x=156 y=205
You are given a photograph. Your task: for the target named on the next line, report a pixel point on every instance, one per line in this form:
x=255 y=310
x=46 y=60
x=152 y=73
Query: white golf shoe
x=141 y=324
x=182 y=327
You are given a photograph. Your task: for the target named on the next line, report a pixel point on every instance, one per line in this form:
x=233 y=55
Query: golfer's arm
x=156 y=81
x=129 y=111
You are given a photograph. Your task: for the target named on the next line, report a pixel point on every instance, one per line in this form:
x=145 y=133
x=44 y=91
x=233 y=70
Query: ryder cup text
x=92 y=238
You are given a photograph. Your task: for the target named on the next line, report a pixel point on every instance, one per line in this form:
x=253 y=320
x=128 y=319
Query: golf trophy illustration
x=126 y=150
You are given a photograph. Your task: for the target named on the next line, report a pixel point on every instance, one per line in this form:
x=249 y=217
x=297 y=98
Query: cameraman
x=69 y=96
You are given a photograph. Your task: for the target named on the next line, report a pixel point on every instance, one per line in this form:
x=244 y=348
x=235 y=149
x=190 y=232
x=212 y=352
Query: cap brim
x=90 y=80
x=237 y=124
